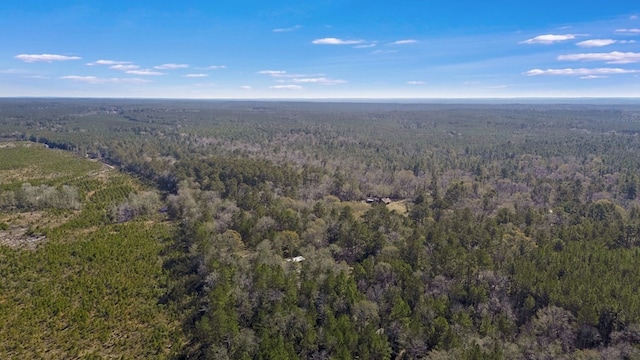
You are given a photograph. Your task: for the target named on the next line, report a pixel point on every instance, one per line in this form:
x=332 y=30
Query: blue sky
x=319 y=49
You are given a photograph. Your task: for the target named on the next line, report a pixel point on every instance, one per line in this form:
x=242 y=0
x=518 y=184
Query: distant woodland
x=292 y=230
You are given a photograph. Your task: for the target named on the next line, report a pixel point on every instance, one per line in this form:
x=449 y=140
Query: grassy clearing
x=398 y=206
x=360 y=208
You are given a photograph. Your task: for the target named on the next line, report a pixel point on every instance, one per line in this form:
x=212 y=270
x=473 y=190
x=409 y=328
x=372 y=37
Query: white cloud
x=286 y=87
x=284 y=74
x=196 y=75
x=404 y=42
x=108 y=62
x=274 y=73
x=589 y=77
x=293 y=28
x=603 y=42
x=596 y=43
x=336 y=41
x=97 y=80
x=580 y=71
x=415 y=82
x=614 y=57
x=376 y=52
x=548 y=39
x=629 y=31
x=30 y=58
x=214 y=67
x=246 y=87
x=364 y=46
x=145 y=72
x=124 y=67
x=320 y=80
x=80 y=78
x=171 y=66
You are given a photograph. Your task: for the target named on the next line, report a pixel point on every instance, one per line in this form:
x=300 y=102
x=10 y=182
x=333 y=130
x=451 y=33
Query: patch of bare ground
x=21 y=233
x=20 y=238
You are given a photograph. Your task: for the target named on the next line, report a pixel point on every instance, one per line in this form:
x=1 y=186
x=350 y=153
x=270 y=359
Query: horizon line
x=544 y=99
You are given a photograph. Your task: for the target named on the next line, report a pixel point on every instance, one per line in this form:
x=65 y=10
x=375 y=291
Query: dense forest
x=292 y=230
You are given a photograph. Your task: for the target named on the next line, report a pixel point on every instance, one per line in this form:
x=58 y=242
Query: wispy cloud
x=196 y=75
x=589 y=77
x=628 y=31
x=246 y=87
x=293 y=28
x=284 y=74
x=145 y=72
x=377 y=52
x=614 y=57
x=580 y=71
x=336 y=41
x=548 y=39
x=274 y=73
x=286 y=87
x=404 y=42
x=123 y=67
x=30 y=58
x=108 y=62
x=214 y=67
x=171 y=66
x=596 y=43
x=415 y=82
x=97 y=80
x=365 y=46
x=320 y=80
